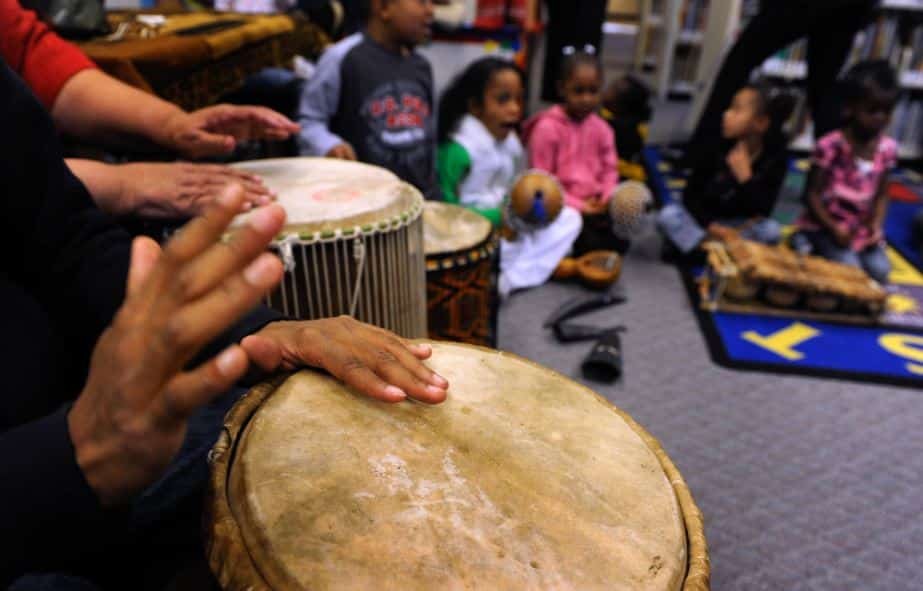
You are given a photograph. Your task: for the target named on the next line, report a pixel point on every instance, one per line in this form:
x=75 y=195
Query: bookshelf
x=896 y=34
x=676 y=37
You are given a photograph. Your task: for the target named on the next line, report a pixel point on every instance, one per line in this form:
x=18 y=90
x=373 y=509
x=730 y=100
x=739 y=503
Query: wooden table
x=195 y=58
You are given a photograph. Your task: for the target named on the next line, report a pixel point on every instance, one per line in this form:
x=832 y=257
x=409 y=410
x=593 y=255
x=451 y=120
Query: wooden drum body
x=461 y=287
x=352 y=244
x=522 y=479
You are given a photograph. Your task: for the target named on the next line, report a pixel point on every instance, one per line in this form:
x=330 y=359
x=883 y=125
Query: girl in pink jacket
x=576 y=145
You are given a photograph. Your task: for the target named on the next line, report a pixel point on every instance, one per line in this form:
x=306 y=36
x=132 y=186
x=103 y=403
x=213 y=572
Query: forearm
x=610 y=172
x=881 y=206
x=493 y=214
x=315 y=139
x=49 y=513
x=95 y=106
x=104 y=183
x=816 y=206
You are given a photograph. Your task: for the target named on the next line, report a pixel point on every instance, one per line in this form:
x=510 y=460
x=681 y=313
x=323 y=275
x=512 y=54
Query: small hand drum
x=535 y=201
x=628 y=209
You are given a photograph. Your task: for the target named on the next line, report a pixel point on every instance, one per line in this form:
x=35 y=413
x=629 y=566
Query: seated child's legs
x=680 y=227
x=767 y=231
x=823 y=245
x=876 y=264
x=597 y=235
x=530 y=260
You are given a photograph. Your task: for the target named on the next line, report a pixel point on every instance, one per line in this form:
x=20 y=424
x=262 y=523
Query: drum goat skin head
x=521 y=479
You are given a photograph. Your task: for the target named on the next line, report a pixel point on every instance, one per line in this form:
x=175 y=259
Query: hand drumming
x=131 y=417
x=182 y=189
x=216 y=130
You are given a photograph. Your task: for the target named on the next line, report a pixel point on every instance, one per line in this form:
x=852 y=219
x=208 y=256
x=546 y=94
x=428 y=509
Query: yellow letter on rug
x=783 y=342
x=906 y=346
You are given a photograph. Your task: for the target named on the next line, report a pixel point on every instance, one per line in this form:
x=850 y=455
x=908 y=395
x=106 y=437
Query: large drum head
x=522 y=479
x=324 y=194
x=452 y=228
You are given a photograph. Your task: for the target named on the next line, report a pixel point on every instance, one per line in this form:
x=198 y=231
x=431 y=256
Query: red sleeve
x=44 y=60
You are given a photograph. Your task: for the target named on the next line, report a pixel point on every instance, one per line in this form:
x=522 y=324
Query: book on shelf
x=692 y=16
x=897 y=40
x=907 y=123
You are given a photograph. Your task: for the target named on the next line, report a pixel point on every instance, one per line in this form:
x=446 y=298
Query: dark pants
x=597 y=235
x=570 y=22
x=830 y=27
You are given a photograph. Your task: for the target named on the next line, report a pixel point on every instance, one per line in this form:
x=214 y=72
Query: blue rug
x=899 y=230
x=891 y=354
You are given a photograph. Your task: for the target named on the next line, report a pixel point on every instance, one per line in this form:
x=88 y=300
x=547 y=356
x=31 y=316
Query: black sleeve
x=696 y=197
x=757 y=197
x=73 y=260
x=713 y=194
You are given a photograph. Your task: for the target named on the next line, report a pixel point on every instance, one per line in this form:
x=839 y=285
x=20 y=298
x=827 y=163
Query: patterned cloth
x=849 y=196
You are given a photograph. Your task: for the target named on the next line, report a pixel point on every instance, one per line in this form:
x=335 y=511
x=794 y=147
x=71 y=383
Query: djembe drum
x=461 y=290
x=352 y=244
x=522 y=479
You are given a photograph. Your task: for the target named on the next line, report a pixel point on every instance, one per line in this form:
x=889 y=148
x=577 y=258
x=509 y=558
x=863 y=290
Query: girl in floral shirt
x=846 y=194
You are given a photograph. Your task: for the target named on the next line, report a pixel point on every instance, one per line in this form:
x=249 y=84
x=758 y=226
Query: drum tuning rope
x=359 y=256
x=285 y=251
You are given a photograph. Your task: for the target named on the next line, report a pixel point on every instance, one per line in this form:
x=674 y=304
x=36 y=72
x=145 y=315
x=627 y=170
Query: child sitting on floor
x=626 y=108
x=846 y=191
x=479 y=158
x=371 y=98
x=576 y=145
x=740 y=186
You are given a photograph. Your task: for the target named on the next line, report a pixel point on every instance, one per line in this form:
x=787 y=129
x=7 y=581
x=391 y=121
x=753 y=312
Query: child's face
x=581 y=91
x=743 y=118
x=871 y=115
x=502 y=104
x=410 y=21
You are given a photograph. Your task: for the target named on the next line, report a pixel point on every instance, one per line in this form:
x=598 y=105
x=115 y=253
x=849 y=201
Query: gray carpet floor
x=804 y=483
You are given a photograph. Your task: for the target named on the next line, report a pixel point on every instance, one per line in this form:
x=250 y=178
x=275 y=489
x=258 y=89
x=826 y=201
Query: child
x=479 y=158
x=626 y=108
x=740 y=186
x=576 y=145
x=846 y=193
x=371 y=98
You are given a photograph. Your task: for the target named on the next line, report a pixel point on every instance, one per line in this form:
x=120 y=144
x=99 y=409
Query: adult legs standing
x=772 y=28
x=828 y=48
x=570 y=22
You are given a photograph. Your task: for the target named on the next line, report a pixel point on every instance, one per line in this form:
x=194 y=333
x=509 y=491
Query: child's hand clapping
x=738 y=160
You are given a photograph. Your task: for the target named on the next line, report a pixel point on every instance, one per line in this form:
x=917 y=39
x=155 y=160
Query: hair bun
x=569 y=50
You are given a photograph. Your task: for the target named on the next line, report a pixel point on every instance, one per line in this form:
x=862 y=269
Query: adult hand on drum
x=371 y=360
x=342 y=152
x=176 y=189
x=216 y=130
x=130 y=419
